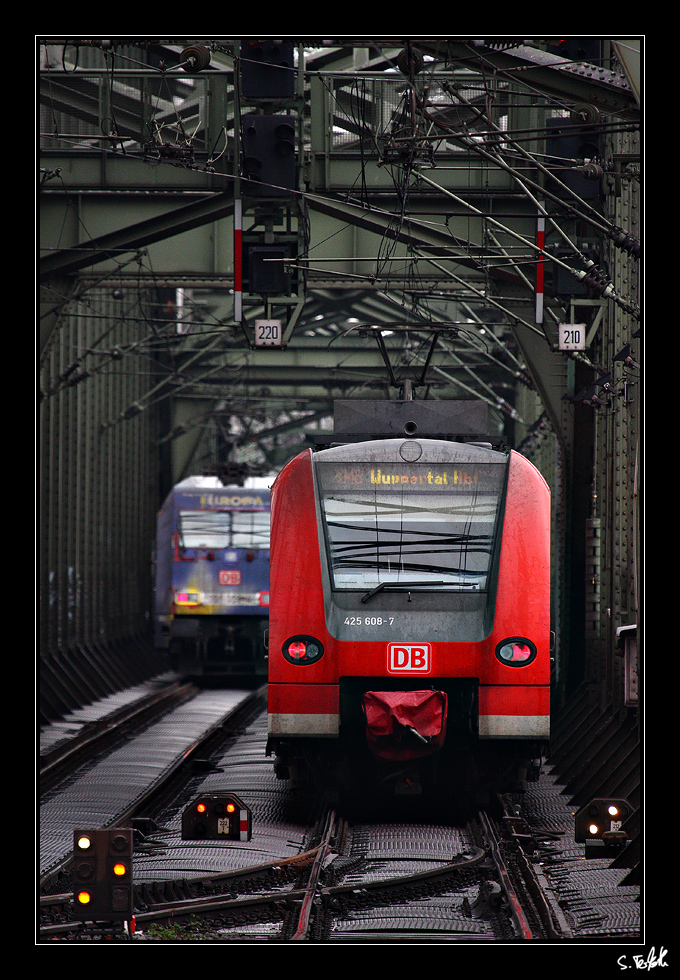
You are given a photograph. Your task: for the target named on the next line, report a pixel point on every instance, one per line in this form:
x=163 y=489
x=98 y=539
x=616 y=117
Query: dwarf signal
x=217 y=816
x=600 y=824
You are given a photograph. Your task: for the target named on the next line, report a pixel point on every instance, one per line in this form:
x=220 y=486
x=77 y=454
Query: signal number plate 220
x=409 y=658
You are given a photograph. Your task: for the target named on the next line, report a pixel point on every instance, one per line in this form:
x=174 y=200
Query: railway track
x=307 y=874
x=59 y=761
x=470 y=897
x=125 y=766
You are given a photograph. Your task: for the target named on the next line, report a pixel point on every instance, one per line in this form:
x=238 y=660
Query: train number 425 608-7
x=369 y=620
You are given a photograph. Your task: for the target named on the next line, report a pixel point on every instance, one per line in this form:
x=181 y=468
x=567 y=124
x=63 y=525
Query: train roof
x=212 y=482
x=411 y=450
x=209 y=493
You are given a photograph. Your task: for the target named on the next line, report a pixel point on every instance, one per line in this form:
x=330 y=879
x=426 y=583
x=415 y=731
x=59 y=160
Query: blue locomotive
x=212 y=577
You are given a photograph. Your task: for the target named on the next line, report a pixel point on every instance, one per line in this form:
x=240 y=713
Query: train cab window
x=204 y=529
x=433 y=526
x=250 y=529
x=224 y=529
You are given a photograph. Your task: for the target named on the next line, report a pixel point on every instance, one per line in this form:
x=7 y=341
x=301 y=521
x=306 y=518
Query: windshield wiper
x=397 y=586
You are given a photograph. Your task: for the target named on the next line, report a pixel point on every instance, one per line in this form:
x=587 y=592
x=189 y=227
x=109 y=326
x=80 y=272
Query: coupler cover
x=405 y=724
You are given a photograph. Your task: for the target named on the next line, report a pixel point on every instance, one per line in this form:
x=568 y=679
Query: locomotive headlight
x=516 y=651
x=302 y=650
x=187 y=599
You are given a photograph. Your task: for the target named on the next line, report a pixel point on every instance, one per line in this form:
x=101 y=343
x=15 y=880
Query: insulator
x=77 y=378
x=525 y=378
x=585 y=114
x=627 y=242
x=133 y=410
x=69 y=371
x=195 y=58
x=410 y=60
x=596 y=282
x=592 y=171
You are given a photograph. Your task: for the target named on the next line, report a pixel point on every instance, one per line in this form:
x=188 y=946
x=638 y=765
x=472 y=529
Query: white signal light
x=601 y=823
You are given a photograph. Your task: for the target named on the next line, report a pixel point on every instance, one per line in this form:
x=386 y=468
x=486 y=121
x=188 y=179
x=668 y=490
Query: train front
x=410 y=620
x=216 y=548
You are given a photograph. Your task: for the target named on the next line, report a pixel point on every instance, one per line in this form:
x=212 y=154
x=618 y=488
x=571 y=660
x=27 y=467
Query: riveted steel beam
x=548 y=74
x=136 y=236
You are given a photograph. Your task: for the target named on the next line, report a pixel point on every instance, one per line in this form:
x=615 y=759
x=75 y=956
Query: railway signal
x=217 y=816
x=102 y=874
x=599 y=825
x=269 y=154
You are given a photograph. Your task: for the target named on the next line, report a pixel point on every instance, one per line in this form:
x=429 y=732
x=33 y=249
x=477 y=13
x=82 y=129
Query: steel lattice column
x=616 y=453
x=98 y=478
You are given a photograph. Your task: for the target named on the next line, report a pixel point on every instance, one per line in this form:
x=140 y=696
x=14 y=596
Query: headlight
x=187 y=599
x=302 y=650
x=516 y=651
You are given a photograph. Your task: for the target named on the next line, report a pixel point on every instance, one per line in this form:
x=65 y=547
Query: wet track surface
x=588 y=897
x=106 y=789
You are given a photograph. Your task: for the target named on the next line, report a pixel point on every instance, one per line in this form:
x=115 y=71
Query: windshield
x=413 y=525
x=223 y=529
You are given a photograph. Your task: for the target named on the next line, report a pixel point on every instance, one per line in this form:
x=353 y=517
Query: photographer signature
x=644 y=962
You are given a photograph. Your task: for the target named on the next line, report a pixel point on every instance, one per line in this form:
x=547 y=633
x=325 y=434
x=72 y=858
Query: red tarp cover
x=405 y=724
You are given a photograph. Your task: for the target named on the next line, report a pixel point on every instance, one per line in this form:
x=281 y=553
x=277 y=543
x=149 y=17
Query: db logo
x=413 y=657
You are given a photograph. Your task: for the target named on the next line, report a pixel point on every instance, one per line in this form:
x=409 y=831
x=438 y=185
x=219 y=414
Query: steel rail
x=552 y=918
x=302 y=931
x=521 y=925
x=95 y=736
x=175 y=910
x=174 y=776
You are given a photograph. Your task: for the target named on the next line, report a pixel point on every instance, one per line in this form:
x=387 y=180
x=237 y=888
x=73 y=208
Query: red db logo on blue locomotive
x=413 y=658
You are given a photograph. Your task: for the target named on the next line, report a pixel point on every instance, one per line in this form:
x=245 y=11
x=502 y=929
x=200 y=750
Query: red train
x=409 y=630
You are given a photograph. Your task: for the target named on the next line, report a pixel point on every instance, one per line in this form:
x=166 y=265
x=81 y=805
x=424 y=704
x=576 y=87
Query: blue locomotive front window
x=420 y=525
x=224 y=529
x=204 y=529
x=250 y=529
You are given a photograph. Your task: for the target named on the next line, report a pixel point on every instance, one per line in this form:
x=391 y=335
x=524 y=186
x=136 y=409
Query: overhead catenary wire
x=590 y=215
x=381 y=260
x=607 y=290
